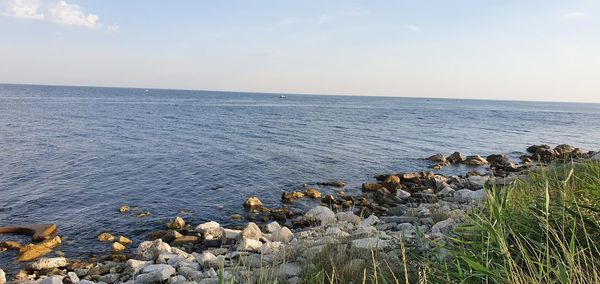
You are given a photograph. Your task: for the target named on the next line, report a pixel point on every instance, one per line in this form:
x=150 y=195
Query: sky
x=480 y=49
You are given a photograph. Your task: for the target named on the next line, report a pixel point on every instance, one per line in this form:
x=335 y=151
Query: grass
x=544 y=229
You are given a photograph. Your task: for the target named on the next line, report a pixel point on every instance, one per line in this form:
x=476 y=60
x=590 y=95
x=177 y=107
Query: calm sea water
x=73 y=155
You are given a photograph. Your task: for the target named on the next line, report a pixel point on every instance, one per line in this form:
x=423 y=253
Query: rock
x=370 y=244
x=171 y=235
x=564 y=150
x=212 y=233
x=49 y=263
x=438 y=158
x=456 y=157
x=52 y=280
x=109 y=278
x=178 y=279
x=501 y=162
x=155 y=273
x=124 y=241
x=249 y=245
x=283 y=235
x=81 y=272
x=190 y=274
x=236 y=217
x=348 y=217
x=117 y=247
x=443 y=226
x=253 y=202
x=289 y=197
x=329 y=199
x=205 y=226
x=83 y=281
x=290 y=269
x=596 y=157
x=536 y=148
x=321 y=214
x=124 y=209
x=137 y=265
x=231 y=234
x=106 y=237
x=477 y=182
x=2 y=277
x=370 y=221
x=71 y=278
x=271 y=247
x=252 y=231
x=177 y=224
x=402 y=194
x=371 y=186
x=446 y=191
x=207 y=259
x=332 y=183
x=186 y=240
x=313 y=193
x=475 y=160
x=392 y=182
x=34 y=251
x=151 y=250
x=272 y=227
x=467 y=195
x=11 y=245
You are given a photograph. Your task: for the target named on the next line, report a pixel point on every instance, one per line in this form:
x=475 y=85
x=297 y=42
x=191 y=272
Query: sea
x=73 y=155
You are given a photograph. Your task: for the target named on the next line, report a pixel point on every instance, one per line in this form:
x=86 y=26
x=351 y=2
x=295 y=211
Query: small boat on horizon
x=282 y=97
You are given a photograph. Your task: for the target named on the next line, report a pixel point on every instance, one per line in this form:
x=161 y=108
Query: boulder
x=272 y=227
x=313 y=193
x=151 y=250
x=106 y=237
x=155 y=273
x=596 y=157
x=71 y=278
x=2 y=277
x=34 y=251
x=52 y=280
x=109 y=278
x=477 y=182
x=9 y=245
x=336 y=183
x=249 y=245
x=177 y=224
x=348 y=217
x=467 y=195
x=289 y=197
x=271 y=247
x=137 y=265
x=253 y=202
x=212 y=233
x=438 y=158
x=402 y=194
x=392 y=182
x=456 y=157
x=49 y=263
x=475 y=160
x=124 y=240
x=368 y=186
x=501 y=162
x=370 y=221
x=186 y=240
x=124 y=209
x=171 y=235
x=117 y=247
x=207 y=259
x=251 y=231
x=283 y=235
x=321 y=214
x=371 y=244
x=205 y=226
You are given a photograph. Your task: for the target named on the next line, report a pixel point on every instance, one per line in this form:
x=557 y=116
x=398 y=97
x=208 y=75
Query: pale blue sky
x=525 y=50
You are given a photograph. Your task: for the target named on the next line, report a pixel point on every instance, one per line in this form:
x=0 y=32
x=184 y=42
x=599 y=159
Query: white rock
x=348 y=217
x=49 y=263
x=371 y=221
x=52 y=280
x=207 y=259
x=204 y=226
x=137 y=265
x=252 y=231
x=272 y=227
x=73 y=278
x=322 y=214
x=335 y=232
x=2 y=277
x=271 y=247
x=402 y=194
x=155 y=273
x=151 y=250
x=283 y=235
x=370 y=243
x=249 y=245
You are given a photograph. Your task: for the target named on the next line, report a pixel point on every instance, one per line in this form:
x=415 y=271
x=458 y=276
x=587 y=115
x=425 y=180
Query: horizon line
x=295 y=94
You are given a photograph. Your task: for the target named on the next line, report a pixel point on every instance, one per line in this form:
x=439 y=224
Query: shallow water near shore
x=73 y=155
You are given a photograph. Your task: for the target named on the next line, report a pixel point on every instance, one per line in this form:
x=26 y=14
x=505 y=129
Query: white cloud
x=413 y=28
x=575 y=16
x=23 y=9
x=55 y=11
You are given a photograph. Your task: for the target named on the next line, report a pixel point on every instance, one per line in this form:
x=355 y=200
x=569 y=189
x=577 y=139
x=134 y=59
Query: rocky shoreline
x=358 y=225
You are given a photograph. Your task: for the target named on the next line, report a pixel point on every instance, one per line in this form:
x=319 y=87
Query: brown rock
x=313 y=193
x=106 y=237
x=475 y=160
x=253 y=202
x=289 y=197
x=117 y=247
x=437 y=158
x=186 y=240
x=11 y=245
x=124 y=241
x=367 y=186
x=332 y=183
x=329 y=199
x=456 y=157
x=252 y=231
x=177 y=224
x=32 y=251
x=124 y=209
x=392 y=183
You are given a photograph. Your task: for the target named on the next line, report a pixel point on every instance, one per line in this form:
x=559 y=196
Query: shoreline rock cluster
x=378 y=217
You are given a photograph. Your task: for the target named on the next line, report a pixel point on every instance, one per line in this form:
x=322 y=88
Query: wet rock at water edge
x=253 y=202
x=289 y=197
x=106 y=237
x=336 y=183
x=456 y=157
x=438 y=158
x=49 y=263
x=124 y=240
x=392 y=183
x=124 y=209
x=117 y=247
x=313 y=193
x=475 y=160
x=177 y=224
x=371 y=186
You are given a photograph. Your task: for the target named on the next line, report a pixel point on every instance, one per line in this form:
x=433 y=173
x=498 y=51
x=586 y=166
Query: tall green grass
x=545 y=229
